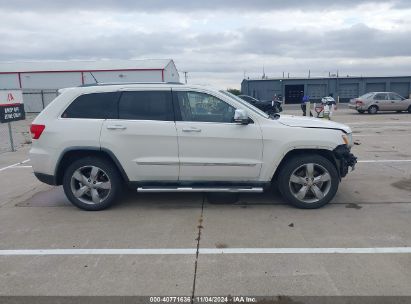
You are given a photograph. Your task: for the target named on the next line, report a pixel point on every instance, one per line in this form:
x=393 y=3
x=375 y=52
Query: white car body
x=180 y=151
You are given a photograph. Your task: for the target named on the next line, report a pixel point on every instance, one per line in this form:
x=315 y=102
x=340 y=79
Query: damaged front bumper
x=345 y=159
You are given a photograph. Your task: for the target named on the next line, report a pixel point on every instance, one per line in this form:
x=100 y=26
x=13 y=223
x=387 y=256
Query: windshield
x=244 y=103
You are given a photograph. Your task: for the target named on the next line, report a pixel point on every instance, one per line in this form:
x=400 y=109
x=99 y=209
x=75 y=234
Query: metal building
x=344 y=88
x=41 y=80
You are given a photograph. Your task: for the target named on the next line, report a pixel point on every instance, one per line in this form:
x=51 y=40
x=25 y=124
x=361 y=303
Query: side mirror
x=241 y=117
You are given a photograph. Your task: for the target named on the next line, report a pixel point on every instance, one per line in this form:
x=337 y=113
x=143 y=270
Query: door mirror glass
x=240 y=116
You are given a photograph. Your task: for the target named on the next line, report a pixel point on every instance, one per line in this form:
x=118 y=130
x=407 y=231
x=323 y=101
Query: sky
x=218 y=42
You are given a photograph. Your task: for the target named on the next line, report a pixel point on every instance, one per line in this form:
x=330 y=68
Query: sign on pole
x=11 y=106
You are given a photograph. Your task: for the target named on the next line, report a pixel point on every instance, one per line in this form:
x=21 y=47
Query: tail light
x=36 y=130
x=359 y=103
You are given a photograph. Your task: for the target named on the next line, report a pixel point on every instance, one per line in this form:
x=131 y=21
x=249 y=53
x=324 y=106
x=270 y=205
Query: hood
x=309 y=122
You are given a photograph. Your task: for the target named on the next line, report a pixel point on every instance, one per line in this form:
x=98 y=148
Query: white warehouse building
x=41 y=80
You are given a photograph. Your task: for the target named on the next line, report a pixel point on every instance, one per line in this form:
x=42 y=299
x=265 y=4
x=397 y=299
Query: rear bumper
x=345 y=159
x=355 y=107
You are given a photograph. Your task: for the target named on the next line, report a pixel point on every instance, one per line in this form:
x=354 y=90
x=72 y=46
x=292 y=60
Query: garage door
x=348 y=91
x=402 y=88
x=316 y=91
x=375 y=87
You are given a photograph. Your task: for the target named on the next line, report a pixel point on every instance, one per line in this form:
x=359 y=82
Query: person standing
x=329 y=105
x=305 y=105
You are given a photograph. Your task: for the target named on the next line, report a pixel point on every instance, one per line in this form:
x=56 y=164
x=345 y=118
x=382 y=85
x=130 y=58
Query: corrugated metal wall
x=344 y=88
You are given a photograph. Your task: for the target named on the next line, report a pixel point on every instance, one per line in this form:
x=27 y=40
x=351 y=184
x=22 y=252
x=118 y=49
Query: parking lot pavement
x=371 y=211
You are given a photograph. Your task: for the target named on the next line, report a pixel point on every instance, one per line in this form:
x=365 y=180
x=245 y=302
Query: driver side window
x=195 y=106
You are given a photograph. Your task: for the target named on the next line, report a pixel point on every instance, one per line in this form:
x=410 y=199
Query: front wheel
x=308 y=182
x=92 y=183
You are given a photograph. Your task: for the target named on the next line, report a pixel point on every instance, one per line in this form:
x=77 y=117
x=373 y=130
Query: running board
x=201 y=189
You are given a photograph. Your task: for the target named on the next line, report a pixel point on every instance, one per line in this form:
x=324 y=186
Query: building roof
x=83 y=65
x=323 y=78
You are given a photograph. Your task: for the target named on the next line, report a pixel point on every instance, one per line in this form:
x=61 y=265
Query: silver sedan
x=380 y=101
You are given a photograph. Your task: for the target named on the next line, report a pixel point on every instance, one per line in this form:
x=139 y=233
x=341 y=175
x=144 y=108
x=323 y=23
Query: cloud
x=216 y=41
x=155 y=6
x=358 y=41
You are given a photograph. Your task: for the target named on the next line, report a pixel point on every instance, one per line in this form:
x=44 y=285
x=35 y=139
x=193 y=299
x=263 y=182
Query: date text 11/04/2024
x=204 y=299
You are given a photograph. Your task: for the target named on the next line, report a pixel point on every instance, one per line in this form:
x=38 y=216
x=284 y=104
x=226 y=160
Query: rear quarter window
x=93 y=106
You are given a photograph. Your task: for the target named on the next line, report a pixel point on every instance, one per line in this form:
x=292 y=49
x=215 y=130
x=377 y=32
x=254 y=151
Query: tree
x=234 y=91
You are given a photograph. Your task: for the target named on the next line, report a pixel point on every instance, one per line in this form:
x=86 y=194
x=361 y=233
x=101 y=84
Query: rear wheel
x=409 y=109
x=308 y=182
x=361 y=111
x=92 y=183
x=373 y=110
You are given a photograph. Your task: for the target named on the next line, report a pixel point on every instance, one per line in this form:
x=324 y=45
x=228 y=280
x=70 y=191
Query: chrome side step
x=201 y=189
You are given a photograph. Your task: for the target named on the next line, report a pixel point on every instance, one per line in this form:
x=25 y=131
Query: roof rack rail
x=124 y=83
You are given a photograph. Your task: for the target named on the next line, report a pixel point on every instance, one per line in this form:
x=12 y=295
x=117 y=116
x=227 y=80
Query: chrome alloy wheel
x=310 y=182
x=90 y=185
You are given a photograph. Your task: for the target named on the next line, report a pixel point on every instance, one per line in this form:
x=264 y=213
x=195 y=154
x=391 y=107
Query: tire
x=93 y=193
x=409 y=109
x=299 y=167
x=361 y=111
x=373 y=110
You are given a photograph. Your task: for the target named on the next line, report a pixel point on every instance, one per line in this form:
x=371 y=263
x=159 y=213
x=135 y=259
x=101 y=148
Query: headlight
x=347 y=138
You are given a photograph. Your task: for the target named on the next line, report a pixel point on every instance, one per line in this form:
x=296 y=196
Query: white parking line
x=192 y=251
x=14 y=165
x=21 y=167
x=385 y=161
x=379 y=123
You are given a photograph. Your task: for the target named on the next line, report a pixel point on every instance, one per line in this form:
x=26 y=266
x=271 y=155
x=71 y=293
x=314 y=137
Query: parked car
x=264 y=105
x=175 y=137
x=374 y=102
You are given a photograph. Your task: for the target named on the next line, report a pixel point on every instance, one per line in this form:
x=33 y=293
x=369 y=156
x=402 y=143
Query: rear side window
x=380 y=96
x=146 y=105
x=94 y=106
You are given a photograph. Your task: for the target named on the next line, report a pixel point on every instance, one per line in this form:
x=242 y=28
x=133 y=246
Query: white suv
x=173 y=137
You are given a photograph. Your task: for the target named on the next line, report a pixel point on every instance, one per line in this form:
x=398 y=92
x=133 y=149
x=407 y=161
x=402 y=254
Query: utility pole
x=309 y=73
x=185 y=76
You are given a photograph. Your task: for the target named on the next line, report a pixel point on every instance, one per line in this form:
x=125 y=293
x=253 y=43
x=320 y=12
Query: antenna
x=94 y=77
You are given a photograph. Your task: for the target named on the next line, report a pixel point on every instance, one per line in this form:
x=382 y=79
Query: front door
x=144 y=137
x=211 y=146
x=398 y=103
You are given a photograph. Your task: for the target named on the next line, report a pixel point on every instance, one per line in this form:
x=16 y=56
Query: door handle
x=116 y=127
x=192 y=129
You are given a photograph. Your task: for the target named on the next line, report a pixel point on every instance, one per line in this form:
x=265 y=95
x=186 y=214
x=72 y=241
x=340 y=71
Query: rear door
x=144 y=137
x=211 y=146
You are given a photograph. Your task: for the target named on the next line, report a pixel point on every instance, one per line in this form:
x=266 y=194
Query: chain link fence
x=36 y=100
x=16 y=134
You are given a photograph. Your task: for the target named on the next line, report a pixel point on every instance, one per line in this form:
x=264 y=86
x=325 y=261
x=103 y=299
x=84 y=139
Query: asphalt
x=371 y=210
